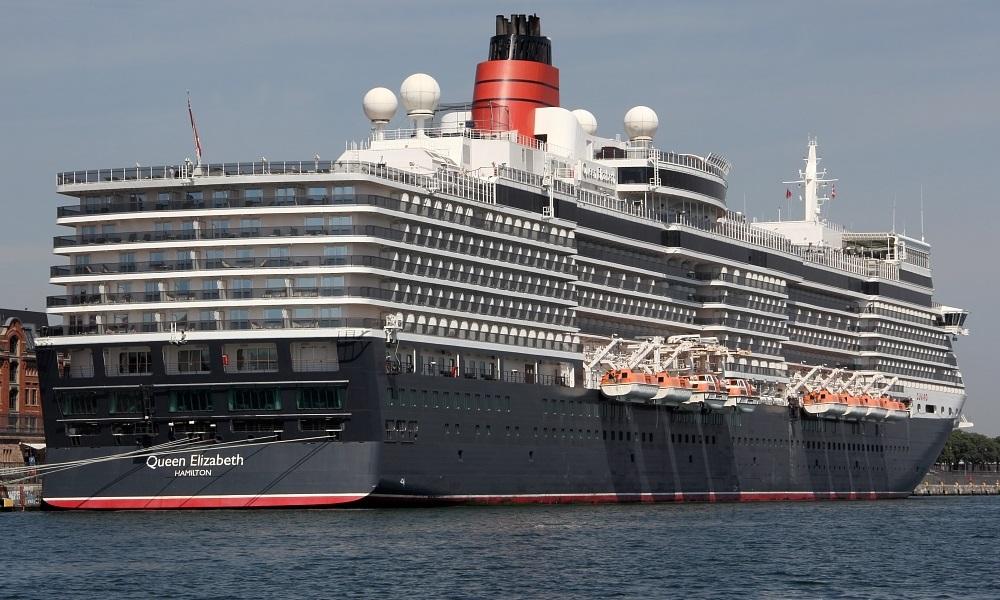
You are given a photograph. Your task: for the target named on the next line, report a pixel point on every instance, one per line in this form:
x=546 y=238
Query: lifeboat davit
x=707 y=389
x=672 y=390
x=629 y=386
x=741 y=394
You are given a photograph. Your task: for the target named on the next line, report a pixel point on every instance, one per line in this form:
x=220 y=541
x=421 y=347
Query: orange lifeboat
x=857 y=406
x=706 y=389
x=878 y=410
x=741 y=394
x=826 y=404
x=629 y=386
x=897 y=411
x=672 y=389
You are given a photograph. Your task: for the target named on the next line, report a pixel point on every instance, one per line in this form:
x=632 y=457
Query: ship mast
x=812 y=178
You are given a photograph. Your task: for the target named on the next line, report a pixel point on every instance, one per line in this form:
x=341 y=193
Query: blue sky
x=901 y=94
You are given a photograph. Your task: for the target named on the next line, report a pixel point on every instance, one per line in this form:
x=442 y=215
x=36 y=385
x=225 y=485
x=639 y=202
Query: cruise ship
x=497 y=303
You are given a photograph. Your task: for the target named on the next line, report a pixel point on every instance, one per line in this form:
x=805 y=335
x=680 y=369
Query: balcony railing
x=377 y=262
x=359 y=325
x=385 y=233
x=360 y=292
x=496 y=226
x=447 y=182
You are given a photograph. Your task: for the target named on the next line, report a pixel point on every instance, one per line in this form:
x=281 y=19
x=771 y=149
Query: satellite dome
x=641 y=123
x=420 y=94
x=380 y=104
x=587 y=120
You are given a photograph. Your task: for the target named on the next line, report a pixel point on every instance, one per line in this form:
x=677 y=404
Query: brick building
x=20 y=396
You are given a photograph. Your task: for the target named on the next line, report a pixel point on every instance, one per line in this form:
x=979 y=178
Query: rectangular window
x=78 y=403
x=258 y=426
x=331 y=426
x=343 y=190
x=126 y=262
x=257 y=358
x=314 y=356
x=304 y=317
x=249 y=227
x=317 y=192
x=189 y=401
x=126 y=402
x=274 y=318
x=315 y=225
x=220 y=198
x=254 y=399
x=329 y=316
x=239 y=318
x=306 y=286
x=193 y=360
x=340 y=221
x=209 y=289
x=326 y=398
x=275 y=287
x=134 y=362
x=331 y=285
x=215 y=258
x=253 y=196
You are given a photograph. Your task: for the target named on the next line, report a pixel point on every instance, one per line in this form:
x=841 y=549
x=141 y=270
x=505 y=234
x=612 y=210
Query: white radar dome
x=420 y=94
x=641 y=123
x=380 y=104
x=587 y=120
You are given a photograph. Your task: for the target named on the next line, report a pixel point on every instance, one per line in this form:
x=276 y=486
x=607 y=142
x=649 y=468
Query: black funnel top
x=520 y=38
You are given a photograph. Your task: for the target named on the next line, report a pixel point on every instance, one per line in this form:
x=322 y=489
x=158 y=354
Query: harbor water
x=928 y=547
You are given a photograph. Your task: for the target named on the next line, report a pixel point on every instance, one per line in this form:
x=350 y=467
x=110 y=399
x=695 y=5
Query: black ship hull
x=415 y=439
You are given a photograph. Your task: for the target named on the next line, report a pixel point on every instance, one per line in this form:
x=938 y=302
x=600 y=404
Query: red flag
x=194 y=130
x=833 y=192
x=788 y=194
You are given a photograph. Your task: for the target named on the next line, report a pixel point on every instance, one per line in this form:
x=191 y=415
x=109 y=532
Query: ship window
x=258 y=426
x=286 y=194
x=314 y=225
x=189 y=360
x=332 y=427
x=133 y=362
x=126 y=402
x=390 y=430
x=274 y=318
x=314 y=356
x=254 y=399
x=256 y=358
x=78 y=429
x=189 y=401
x=327 y=398
x=317 y=192
x=78 y=403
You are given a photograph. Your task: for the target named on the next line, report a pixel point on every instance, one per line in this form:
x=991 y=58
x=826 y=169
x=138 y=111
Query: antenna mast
x=812 y=178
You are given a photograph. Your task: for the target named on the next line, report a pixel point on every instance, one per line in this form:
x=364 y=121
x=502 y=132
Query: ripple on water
x=926 y=548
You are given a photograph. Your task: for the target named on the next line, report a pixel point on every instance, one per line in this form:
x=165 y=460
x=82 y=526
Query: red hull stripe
x=180 y=502
x=600 y=498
